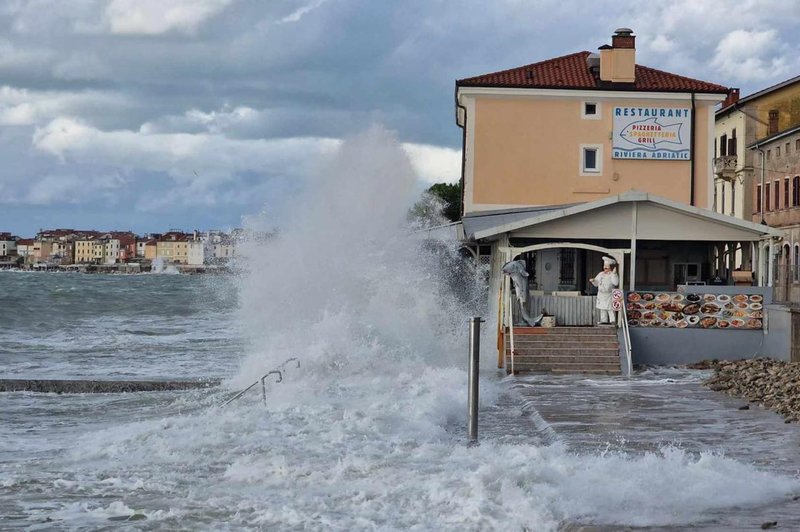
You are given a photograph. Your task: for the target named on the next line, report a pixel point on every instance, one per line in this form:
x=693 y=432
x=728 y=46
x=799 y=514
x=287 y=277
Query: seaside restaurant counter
x=698 y=322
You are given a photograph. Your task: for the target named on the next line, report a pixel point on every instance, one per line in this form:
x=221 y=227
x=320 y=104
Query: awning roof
x=450 y=231
x=657 y=218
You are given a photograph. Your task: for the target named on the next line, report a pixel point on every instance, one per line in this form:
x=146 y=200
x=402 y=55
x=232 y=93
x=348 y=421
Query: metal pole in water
x=474 y=367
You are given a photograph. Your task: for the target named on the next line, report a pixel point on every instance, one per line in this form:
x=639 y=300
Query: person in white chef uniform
x=606 y=281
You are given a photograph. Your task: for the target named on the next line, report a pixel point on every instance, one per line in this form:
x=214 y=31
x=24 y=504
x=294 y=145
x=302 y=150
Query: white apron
x=605 y=282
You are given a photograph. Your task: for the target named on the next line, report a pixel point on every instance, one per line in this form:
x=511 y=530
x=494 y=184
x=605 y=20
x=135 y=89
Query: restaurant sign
x=661 y=133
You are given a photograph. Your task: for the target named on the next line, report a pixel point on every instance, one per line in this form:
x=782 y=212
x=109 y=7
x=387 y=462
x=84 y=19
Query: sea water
x=367 y=434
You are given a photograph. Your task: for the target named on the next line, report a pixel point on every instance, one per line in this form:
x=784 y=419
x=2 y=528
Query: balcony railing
x=725 y=166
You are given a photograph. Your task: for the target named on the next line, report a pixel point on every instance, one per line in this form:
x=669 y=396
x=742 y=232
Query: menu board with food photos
x=703 y=311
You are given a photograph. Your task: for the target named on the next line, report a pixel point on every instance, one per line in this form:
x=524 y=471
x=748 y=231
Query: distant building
x=57 y=246
x=84 y=250
x=8 y=244
x=111 y=251
x=197 y=253
x=25 y=249
x=173 y=247
x=779 y=155
x=741 y=122
x=99 y=251
x=224 y=249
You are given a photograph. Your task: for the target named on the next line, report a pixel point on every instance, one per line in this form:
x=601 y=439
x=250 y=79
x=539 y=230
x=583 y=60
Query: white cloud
x=72 y=189
x=434 y=164
x=215 y=122
x=153 y=17
x=299 y=13
x=728 y=43
x=663 y=44
x=750 y=55
x=25 y=107
x=201 y=161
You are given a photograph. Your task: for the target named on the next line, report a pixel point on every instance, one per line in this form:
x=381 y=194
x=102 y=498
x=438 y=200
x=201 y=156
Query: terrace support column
x=757 y=263
x=731 y=260
x=770 y=262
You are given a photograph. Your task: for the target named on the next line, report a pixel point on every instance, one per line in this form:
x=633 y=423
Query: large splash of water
x=346 y=286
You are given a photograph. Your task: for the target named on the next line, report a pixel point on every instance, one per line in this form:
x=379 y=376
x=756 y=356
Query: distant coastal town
x=121 y=251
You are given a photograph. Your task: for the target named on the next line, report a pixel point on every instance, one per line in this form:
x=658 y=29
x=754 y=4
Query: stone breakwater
x=97 y=386
x=772 y=384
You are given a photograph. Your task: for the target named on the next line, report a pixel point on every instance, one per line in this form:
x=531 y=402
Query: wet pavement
x=657 y=409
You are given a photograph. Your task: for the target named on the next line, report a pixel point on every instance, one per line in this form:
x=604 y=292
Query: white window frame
x=597 y=109
x=598 y=171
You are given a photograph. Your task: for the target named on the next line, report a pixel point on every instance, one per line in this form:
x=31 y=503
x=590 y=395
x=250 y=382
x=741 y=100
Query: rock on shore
x=773 y=384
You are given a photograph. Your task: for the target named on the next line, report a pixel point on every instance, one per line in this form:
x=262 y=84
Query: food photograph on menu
x=703 y=311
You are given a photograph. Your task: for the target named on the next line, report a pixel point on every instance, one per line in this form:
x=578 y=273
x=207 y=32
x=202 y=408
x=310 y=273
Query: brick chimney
x=618 y=61
x=732 y=98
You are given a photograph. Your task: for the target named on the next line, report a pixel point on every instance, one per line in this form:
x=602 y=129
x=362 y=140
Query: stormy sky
x=156 y=114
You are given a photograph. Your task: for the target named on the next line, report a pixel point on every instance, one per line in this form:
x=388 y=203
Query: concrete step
x=593 y=350
x=542 y=359
x=588 y=372
x=566 y=367
x=569 y=351
x=574 y=331
x=544 y=342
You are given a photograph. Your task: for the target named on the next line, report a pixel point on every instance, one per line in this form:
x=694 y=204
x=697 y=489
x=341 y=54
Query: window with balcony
x=723 y=145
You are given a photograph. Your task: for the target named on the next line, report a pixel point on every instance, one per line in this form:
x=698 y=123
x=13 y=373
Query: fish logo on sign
x=649 y=134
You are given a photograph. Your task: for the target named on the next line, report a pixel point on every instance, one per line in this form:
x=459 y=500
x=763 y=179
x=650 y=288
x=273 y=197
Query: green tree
x=450 y=194
x=439 y=204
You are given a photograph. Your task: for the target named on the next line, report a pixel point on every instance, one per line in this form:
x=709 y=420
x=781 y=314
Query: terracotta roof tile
x=571 y=72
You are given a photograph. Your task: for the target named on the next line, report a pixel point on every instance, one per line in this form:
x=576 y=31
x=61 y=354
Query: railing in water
x=626 y=337
x=263 y=380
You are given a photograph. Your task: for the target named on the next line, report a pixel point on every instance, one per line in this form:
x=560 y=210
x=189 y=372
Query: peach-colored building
x=174 y=247
x=585 y=126
x=84 y=250
x=585 y=156
x=150 y=249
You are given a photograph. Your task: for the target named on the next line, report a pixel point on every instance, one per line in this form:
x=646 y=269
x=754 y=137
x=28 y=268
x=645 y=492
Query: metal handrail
x=277 y=371
x=626 y=337
x=510 y=316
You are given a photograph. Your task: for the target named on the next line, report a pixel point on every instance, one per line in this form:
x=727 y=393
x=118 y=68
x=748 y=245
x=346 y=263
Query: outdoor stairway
x=593 y=350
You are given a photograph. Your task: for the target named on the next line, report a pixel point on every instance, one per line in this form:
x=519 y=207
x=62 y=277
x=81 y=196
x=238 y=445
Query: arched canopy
x=617 y=254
